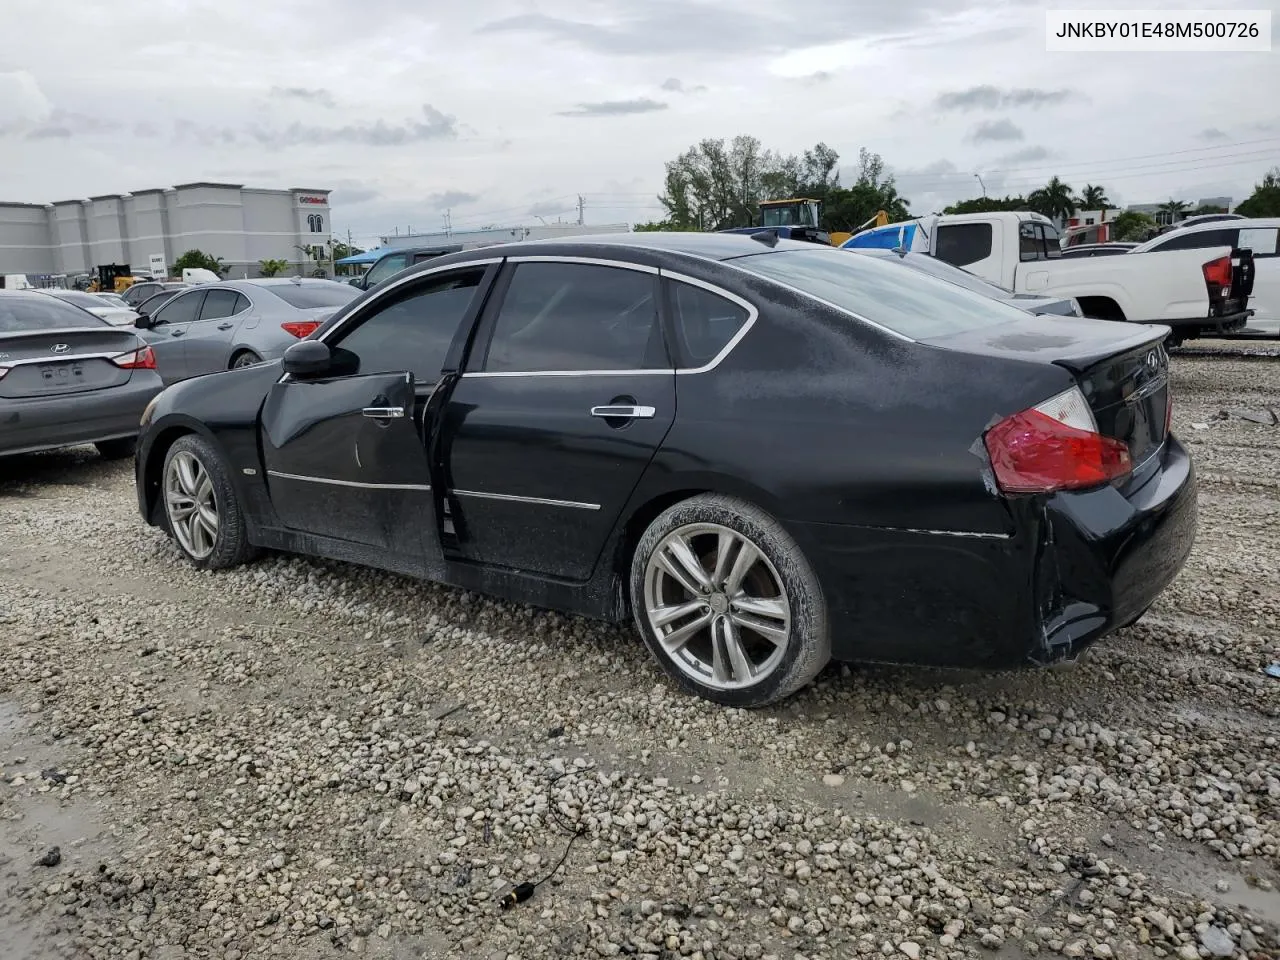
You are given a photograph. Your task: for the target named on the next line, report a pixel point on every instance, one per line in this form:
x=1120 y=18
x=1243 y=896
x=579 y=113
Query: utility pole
x=981 y=184
x=448 y=222
x=581 y=203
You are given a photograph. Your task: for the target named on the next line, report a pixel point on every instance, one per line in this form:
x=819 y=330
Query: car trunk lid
x=67 y=361
x=1121 y=368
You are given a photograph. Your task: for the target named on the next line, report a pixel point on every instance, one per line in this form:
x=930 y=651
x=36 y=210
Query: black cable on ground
x=523 y=891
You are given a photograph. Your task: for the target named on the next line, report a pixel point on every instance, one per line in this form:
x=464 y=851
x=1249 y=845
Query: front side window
x=1052 y=240
x=181 y=309
x=705 y=322
x=905 y=301
x=580 y=317
x=412 y=332
x=219 y=304
x=961 y=244
x=385 y=268
x=1030 y=242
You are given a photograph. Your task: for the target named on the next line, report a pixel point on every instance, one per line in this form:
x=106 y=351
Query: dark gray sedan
x=236 y=323
x=68 y=377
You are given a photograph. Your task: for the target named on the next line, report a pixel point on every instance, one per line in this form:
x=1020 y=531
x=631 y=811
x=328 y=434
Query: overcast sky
x=502 y=109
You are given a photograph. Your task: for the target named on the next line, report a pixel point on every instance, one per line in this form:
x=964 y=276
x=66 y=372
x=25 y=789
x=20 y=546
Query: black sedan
x=767 y=452
x=68 y=377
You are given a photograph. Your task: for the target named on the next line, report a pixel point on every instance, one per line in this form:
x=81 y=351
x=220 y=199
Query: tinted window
x=385 y=268
x=1199 y=240
x=181 y=309
x=139 y=292
x=152 y=304
x=311 y=296
x=905 y=301
x=219 y=304
x=1261 y=240
x=705 y=322
x=413 y=332
x=1051 y=239
x=963 y=243
x=572 y=316
x=20 y=314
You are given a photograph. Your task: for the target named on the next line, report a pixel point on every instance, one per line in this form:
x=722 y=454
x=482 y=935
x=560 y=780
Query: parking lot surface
x=306 y=759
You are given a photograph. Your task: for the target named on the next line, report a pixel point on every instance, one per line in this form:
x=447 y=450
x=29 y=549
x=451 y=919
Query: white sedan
x=97 y=304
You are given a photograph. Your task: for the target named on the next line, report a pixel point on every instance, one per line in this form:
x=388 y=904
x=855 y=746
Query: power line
x=957 y=178
x=1148 y=156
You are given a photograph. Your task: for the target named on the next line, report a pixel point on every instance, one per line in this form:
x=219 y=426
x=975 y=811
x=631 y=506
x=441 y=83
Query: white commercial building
x=240 y=224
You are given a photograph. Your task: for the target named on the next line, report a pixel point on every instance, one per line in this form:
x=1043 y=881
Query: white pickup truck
x=1194 y=292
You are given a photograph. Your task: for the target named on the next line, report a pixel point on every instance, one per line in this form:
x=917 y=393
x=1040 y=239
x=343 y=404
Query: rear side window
x=580 y=317
x=1261 y=240
x=33 y=313
x=961 y=244
x=705 y=322
x=1199 y=240
x=312 y=296
x=413 y=332
x=905 y=301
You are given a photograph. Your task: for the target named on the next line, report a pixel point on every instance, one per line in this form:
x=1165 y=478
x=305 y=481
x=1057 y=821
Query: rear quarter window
x=961 y=244
x=907 y=302
x=315 y=296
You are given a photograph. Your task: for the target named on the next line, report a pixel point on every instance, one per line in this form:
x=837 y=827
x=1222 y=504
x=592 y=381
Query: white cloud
x=252 y=92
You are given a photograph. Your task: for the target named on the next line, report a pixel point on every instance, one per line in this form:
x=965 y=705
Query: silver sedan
x=118 y=315
x=235 y=323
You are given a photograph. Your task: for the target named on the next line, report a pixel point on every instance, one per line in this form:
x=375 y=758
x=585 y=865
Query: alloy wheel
x=717 y=606
x=191 y=505
x=245 y=360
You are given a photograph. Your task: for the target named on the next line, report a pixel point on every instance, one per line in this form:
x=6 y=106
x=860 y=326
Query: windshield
x=940 y=269
x=908 y=302
x=22 y=314
x=308 y=296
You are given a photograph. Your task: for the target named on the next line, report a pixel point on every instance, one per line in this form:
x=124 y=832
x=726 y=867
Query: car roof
x=257 y=283
x=1243 y=223
x=708 y=246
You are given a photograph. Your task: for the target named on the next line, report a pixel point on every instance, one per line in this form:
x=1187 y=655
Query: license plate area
x=59 y=376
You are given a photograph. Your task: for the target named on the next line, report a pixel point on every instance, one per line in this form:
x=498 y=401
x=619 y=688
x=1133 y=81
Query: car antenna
x=767 y=237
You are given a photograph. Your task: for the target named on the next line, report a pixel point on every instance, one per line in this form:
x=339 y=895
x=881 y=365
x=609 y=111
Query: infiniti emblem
x=60 y=348
x=1153 y=361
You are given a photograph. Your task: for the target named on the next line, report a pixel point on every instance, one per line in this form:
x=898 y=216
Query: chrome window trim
x=752 y=315
x=348 y=483
x=539 y=501
x=826 y=303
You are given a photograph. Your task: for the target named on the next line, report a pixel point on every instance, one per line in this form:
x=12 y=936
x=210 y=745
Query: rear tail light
x=1055 y=446
x=300 y=328
x=144 y=359
x=1217 y=273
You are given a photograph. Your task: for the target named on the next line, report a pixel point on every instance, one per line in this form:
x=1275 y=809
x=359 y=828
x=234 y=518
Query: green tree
x=341 y=250
x=1092 y=198
x=1053 y=200
x=716 y=185
x=198 y=259
x=1175 y=208
x=1265 y=199
x=988 y=205
x=653 y=226
x=1133 y=226
x=269 y=267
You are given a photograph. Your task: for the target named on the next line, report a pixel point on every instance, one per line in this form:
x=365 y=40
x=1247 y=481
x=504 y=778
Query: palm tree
x=1093 y=198
x=270 y=267
x=1175 y=209
x=1053 y=200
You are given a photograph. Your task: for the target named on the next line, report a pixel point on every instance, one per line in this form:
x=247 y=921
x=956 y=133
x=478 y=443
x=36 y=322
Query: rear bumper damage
x=1105 y=555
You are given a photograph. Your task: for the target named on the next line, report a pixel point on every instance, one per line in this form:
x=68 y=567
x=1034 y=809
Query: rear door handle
x=383 y=413
x=624 y=412
x=225 y=326
x=176 y=333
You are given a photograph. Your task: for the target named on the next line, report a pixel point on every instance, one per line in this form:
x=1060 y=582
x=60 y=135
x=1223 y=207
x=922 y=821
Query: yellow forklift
x=111 y=278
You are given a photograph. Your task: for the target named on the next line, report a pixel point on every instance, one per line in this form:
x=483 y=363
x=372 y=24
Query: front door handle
x=624 y=412
x=176 y=332
x=225 y=326
x=383 y=413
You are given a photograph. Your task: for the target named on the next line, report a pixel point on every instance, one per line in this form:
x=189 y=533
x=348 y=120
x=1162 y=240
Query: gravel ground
x=303 y=759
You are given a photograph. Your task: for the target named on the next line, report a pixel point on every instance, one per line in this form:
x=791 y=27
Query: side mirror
x=307 y=358
x=143 y=322
x=357 y=282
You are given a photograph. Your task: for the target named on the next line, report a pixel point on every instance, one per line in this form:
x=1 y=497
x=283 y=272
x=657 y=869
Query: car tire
x=119 y=449
x=245 y=358
x=777 y=594
x=210 y=542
